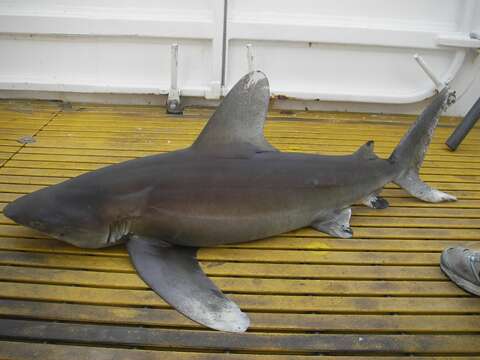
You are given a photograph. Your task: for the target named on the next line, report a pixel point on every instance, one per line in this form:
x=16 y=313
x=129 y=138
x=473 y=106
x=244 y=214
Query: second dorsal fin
x=366 y=151
x=236 y=127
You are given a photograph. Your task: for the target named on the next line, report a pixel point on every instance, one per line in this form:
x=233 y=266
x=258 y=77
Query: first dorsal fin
x=366 y=151
x=236 y=127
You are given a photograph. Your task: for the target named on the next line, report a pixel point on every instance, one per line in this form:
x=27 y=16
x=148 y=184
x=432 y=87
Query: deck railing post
x=173 y=99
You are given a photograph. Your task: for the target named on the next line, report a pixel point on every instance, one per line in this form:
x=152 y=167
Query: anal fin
x=338 y=224
x=173 y=273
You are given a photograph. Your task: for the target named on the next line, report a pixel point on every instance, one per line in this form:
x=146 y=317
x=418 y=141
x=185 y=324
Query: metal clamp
x=174 y=105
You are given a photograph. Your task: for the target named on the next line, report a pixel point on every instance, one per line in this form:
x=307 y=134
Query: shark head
x=70 y=216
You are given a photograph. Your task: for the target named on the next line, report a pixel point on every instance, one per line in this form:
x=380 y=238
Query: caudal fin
x=409 y=154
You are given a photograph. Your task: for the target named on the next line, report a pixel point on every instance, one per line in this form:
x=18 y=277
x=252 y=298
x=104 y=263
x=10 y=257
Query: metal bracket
x=27 y=140
x=174 y=105
x=460 y=40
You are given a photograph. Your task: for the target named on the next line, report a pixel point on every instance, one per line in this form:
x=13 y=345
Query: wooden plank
x=11 y=148
x=259 y=321
x=433 y=211
x=310 y=118
x=171 y=132
x=8 y=143
x=8 y=197
x=196 y=123
x=400 y=233
x=124 y=118
x=28 y=351
x=249 y=302
x=414 y=222
x=282 y=343
x=215 y=268
x=30 y=180
x=4 y=155
x=84 y=151
x=40 y=172
x=239 y=285
x=19 y=188
x=318 y=119
x=322 y=257
x=459 y=194
x=354 y=244
x=412 y=202
x=143 y=142
x=280 y=242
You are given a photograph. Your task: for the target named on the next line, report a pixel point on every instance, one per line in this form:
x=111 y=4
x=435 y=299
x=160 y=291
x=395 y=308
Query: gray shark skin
x=230 y=186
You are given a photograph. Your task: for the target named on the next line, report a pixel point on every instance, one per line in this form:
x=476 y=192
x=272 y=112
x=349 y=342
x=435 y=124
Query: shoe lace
x=474 y=259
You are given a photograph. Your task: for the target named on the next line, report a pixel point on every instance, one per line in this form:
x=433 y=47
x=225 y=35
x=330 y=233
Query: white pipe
x=438 y=84
x=174 y=68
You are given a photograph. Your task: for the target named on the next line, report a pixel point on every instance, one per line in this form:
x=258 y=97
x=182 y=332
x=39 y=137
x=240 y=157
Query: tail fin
x=410 y=152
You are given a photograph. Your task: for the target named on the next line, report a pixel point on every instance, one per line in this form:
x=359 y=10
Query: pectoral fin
x=173 y=273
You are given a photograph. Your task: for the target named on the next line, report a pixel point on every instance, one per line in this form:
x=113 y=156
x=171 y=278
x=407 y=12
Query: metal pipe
x=173 y=99
x=464 y=127
x=438 y=84
x=174 y=67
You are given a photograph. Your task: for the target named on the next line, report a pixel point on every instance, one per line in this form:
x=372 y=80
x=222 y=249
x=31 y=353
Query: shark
x=230 y=186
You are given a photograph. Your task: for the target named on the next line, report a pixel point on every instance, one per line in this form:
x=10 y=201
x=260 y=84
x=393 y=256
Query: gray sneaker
x=462 y=266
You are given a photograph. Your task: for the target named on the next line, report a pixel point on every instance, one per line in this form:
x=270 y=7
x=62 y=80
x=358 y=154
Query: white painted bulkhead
x=336 y=55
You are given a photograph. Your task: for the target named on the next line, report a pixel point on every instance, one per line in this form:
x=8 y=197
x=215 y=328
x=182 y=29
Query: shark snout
x=23 y=213
x=12 y=211
x=33 y=210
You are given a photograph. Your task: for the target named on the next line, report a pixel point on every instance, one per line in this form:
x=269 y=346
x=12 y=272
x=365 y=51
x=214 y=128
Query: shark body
x=230 y=186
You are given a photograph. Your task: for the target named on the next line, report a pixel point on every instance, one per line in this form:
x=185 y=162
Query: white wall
x=348 y=54
x=111 y=46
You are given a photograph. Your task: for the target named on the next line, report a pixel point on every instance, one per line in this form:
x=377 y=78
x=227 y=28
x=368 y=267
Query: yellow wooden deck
x=378 y=294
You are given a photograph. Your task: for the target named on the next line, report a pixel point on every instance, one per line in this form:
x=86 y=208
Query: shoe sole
x=461 y=282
